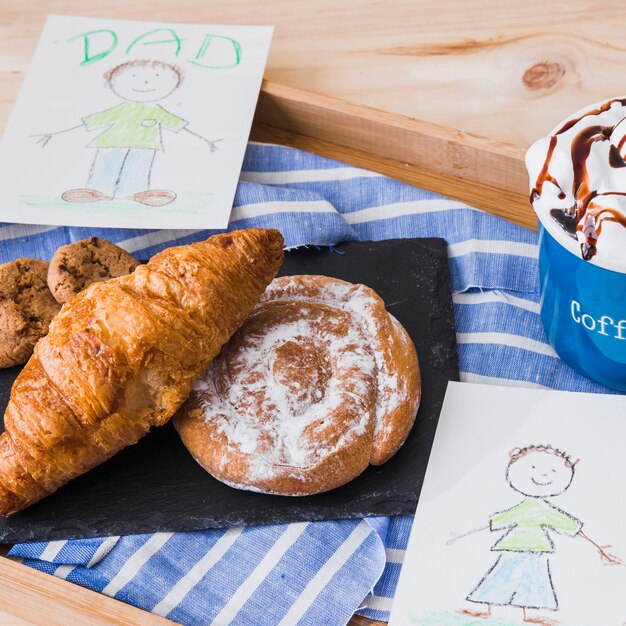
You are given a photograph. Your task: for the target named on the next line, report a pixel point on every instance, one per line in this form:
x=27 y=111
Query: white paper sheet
x=151 y=119
x=480 y=466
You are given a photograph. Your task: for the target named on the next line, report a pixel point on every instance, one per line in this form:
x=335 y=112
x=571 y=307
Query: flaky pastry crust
x=123 y=355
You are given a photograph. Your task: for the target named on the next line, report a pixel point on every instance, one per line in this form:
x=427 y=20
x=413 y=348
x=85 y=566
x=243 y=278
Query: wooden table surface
x=505 y=69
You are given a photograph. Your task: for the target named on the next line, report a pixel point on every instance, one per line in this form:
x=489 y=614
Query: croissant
x=123 y=355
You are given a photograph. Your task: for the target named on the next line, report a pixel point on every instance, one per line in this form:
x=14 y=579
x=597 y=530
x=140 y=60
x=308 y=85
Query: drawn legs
x=520 y=579
x=134 y=174
x=122 y=173
x=134 y=181
x=517 y=579
x=105 y=170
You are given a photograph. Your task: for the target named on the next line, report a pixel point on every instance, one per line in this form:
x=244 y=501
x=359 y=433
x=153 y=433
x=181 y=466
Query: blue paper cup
x=583 y=303
x=583 y=309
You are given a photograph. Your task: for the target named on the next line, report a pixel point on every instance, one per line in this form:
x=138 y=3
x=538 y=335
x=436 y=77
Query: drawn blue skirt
x=518 y=579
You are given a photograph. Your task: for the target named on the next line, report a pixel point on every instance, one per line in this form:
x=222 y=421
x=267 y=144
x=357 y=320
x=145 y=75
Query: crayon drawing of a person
x=521 y=577
x=132 y=134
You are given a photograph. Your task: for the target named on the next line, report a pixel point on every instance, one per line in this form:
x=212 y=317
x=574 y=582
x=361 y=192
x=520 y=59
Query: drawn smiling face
x=144 y=83
x=540 y=474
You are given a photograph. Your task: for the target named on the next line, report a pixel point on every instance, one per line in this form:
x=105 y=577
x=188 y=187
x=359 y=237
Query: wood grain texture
x=421 y=143
x=357 y=620
x=11 y=620
x=484 y=173
x=43 y=599
x=505 y=70
x=511 y=206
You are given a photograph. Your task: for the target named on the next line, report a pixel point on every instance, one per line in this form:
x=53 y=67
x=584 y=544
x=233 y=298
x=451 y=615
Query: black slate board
x=157 y=486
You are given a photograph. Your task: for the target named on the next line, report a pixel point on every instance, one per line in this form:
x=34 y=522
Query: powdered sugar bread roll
x=319 y=382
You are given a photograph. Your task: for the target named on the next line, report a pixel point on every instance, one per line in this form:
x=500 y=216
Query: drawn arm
x=498 y=521
x=607 y=558
x=44 y=138
x=95 y=120
x=176 y=124
x=467 y=533
x=211 y=142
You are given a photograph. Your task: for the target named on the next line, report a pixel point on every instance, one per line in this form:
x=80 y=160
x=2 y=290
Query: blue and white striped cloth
x=315 y=573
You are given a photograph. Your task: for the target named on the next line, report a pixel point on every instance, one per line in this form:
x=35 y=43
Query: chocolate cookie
x=26 y=309
x=76 y=265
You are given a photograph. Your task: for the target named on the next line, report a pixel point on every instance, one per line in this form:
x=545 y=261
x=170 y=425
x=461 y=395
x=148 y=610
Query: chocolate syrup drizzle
x=587 y=215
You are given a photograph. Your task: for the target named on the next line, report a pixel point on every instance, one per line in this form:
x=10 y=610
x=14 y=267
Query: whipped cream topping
x=578 y=183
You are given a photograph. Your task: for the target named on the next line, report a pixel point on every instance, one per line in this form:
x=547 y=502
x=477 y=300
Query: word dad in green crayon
x=216 y=52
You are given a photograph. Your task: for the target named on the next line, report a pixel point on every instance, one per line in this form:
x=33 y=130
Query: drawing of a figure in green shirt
x=132 y=134
x=521 y=575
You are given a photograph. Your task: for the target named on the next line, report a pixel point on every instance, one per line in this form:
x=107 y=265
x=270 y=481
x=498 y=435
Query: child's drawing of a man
x=126 y=149
x=521 y=576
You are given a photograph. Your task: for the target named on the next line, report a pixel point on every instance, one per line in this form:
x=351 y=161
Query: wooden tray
x=487 y=174
x=484 y=173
